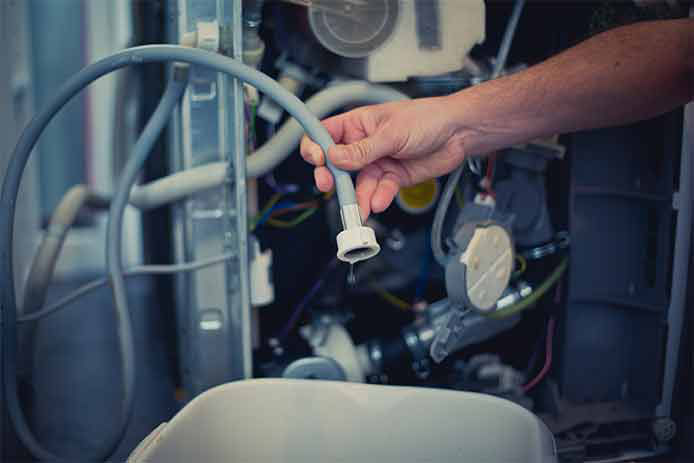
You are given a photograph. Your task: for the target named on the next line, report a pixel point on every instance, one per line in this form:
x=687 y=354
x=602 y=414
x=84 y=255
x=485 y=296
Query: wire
x=540 y=291
x=459 y=198
x=298 y=207
x=299 y=309
x=264 y=213
x=425 y=270
x=522 y=264
x=489 y=175
x=393 y=300
x=506 y=41
x=294 y=222
x=548 y=357
x=131 y=272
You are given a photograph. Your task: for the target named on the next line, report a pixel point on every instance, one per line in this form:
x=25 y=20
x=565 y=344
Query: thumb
x=357 y=155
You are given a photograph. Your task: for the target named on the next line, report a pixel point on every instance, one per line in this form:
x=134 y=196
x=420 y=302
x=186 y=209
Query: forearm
x=620 y=76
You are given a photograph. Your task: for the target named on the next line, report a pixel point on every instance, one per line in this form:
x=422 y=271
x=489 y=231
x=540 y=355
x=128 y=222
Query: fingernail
x=316 y=156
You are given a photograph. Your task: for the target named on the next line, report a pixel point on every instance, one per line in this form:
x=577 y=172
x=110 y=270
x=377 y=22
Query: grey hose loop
x=28 y=139
x=114 y=232
x=323 y=103
x=181 y=184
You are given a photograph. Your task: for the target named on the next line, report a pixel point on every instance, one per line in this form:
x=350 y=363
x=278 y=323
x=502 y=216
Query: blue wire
x=423 y=277
x=277 y=207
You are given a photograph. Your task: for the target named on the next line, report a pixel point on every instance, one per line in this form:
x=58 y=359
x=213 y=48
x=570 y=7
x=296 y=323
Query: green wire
x=459 y=197
x=295 y=221
x=532 y=299
x=270 y=204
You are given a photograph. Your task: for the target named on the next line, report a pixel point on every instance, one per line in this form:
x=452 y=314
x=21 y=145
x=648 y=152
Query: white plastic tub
x=279 y=420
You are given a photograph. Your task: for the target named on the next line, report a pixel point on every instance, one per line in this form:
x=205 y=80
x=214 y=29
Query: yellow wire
x=269 y=205
x=459 y=197
x=522 y=263
x=394 y=300
x=294 y=222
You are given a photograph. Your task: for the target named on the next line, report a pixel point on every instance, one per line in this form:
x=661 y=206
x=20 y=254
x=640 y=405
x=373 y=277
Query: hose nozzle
x=356 y=242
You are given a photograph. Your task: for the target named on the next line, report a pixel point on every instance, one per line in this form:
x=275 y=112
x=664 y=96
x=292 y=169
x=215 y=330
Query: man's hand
x=392 y=145
x=620 y=76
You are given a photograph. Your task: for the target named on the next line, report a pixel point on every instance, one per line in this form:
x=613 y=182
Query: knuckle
x=361 y=152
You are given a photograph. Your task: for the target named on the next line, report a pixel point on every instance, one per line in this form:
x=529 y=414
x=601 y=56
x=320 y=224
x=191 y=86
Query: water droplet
x=351 y=276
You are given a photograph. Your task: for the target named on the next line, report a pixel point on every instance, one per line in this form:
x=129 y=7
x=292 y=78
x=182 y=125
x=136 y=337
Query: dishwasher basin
x=283 y=420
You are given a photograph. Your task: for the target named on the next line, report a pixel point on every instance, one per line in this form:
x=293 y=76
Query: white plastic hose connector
x=356 y=242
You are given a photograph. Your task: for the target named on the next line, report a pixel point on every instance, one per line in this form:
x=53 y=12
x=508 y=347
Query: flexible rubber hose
x=29 y=137
x=185 y=183
x=182 y=184
x=45 y=259
x=131 y=272
x=323 y=103
x=506 y=41
x=440 y=216
x=114 y=231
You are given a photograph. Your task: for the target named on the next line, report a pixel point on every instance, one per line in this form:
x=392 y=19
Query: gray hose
x=505 y=47
x=323 y=103
x=61 y=303
x=27 y=141
x=182 y=184
x=440 y=216
x=114 y=231
x=43 y=265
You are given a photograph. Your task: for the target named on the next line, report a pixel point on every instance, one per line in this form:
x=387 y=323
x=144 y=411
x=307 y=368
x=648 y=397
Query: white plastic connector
x=262 y=289
x=356 y=242
x=208 y=35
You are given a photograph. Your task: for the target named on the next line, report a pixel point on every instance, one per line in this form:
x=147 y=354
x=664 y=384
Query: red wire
x=548 y=357
x=490 y=174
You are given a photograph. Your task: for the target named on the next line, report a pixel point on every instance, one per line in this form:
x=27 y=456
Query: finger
x=323 y=178
x=367 y=181
x=335 y=125
x=311 y=151
x=394 y=176
x=361 y=153
x=388 y=187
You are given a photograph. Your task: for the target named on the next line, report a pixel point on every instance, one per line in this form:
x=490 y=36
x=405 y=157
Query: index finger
x=311 y=151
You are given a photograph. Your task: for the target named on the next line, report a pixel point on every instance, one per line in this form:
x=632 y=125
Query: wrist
x=489 y=117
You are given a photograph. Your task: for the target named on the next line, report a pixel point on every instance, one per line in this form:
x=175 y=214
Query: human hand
x=393 y=145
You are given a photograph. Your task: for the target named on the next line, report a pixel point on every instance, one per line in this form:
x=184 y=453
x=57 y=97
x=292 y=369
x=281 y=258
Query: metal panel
x=212 y=304
x=676 y=311
x=613 y=339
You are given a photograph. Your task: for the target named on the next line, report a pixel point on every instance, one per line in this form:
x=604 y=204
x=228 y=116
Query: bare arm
x=620 y=76
x=623 y=75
